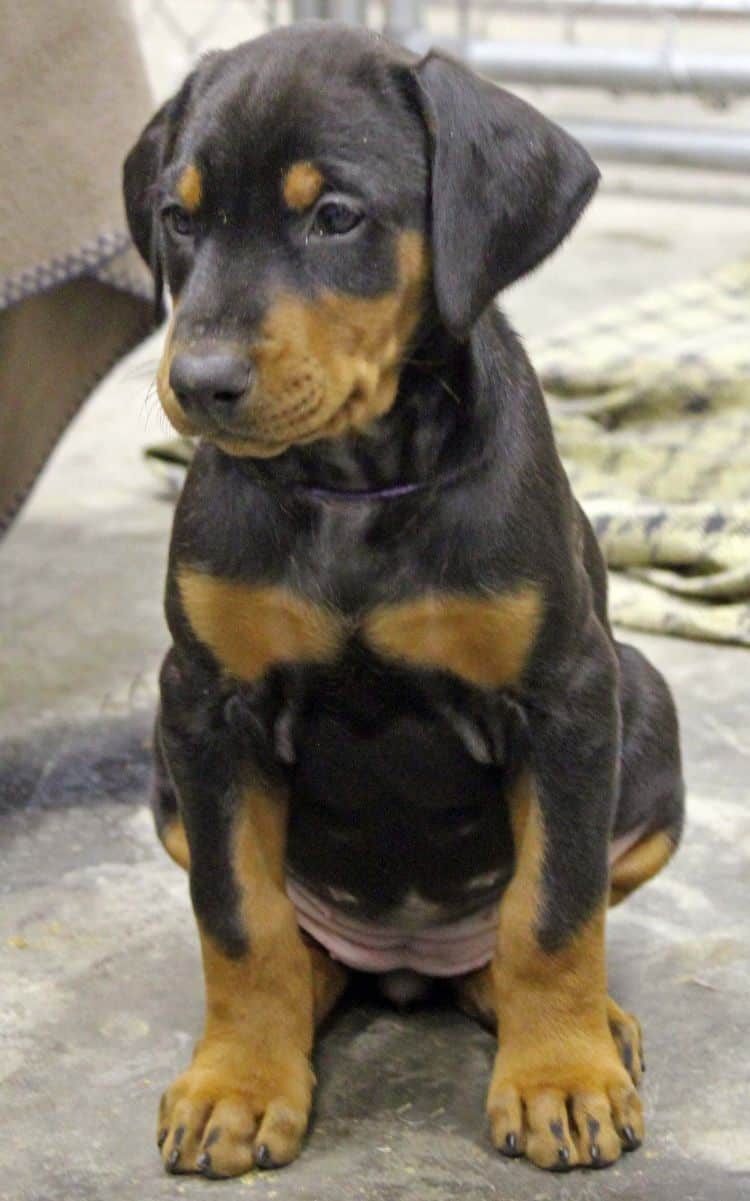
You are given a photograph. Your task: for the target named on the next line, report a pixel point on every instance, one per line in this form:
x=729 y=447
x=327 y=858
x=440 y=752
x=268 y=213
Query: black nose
x=214 y=380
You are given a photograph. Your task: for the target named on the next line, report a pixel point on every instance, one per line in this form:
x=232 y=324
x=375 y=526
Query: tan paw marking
x=221 y=1123
x=560 y=1114
x=626 y=1031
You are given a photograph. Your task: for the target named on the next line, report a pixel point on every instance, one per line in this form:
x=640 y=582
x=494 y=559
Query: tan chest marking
x=249 y=628
x=484 y=640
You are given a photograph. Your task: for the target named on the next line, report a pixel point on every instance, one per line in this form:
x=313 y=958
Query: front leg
x=246 y=1097
x=559 y=1093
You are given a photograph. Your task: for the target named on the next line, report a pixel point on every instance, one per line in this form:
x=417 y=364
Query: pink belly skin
x=448 y=949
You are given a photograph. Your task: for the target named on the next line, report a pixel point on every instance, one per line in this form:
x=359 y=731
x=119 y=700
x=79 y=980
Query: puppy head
x=315 y=200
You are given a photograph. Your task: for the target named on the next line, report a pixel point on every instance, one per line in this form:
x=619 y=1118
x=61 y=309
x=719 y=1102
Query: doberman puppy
x=395 y=732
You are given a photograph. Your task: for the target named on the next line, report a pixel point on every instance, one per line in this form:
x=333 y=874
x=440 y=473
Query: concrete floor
x=98 y=957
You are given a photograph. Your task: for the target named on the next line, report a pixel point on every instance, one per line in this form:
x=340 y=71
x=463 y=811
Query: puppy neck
x=433 y=434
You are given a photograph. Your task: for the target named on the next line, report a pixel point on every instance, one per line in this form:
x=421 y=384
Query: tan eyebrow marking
x=302 y=186
x=190 y=187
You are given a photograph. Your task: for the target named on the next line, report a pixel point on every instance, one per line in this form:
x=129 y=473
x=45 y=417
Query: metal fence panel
x=653 y=53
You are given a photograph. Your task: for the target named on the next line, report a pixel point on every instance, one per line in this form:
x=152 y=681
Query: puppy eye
x=178 y=221
x=334 y=218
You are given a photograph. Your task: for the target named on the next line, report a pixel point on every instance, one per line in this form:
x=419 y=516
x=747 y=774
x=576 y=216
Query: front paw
x=562 y=1109
x=626 y=1031
x=232 y=1110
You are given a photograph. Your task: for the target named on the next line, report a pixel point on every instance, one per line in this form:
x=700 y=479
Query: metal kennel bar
x=352 y=11
x=694 y=9
x=664 y=145
x=664 y=69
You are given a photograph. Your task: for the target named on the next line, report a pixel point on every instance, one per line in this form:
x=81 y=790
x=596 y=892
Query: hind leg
x=639 y=864
x=651 y=803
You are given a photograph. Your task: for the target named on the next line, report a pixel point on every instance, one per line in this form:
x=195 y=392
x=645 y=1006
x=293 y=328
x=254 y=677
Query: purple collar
x=357 y=494
x=347 y=495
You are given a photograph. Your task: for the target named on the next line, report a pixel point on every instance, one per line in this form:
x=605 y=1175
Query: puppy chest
x=392 y=727
x=250 y=629
x=397 y=802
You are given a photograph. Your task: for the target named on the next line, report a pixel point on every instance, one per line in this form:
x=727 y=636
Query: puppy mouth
x=297 y=426
x=265 y=428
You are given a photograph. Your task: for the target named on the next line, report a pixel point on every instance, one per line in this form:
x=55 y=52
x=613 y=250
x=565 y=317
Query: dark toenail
x=203 y=1162
x=213 y=1137
x=563 y=1156
x=510 y=1146
x=595 y=1153
x=179 y=1134
x=161 y=1137
x=263 y=1156
x=631 y=1138
x=174 y=1158
x=593 y=1127
x=557 y=1129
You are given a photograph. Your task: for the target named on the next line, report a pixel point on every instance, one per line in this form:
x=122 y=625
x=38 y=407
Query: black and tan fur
x=397 y=693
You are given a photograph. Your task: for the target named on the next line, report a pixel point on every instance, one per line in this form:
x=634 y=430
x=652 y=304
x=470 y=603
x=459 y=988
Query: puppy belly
x=447 y=949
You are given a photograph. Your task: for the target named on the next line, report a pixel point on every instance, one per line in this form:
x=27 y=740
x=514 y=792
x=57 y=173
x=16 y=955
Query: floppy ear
x=142 y=169
x=507 y=186
x=139 y=174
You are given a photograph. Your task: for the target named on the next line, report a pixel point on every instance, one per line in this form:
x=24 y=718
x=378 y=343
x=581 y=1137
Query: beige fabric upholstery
x=53 y=349
x=73 y=293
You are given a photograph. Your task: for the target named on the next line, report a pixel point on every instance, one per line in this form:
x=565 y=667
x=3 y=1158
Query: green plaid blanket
x=651 y=407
